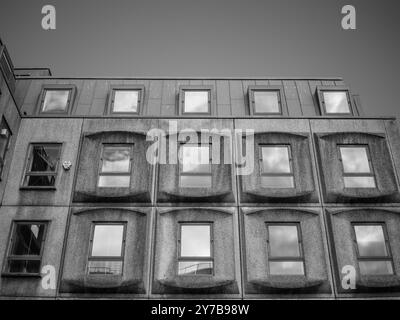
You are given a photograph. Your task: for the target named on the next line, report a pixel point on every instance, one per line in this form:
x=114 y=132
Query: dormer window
x=266 y=100
x=195 y=100
x=57 y=99
x=335 y=101
x=126 y=100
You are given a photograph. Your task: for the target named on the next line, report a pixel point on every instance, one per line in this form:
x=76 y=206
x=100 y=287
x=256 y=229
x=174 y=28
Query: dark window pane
x=336 y=102
x=196 y=101
x=55 y=100
x=105 y=267
x=286 y=268
x=40 y=181
x=195 y=241
x=107 y=241
x=266 y=102
x=195 y=268
x=375 y=267
x=44 y=158
x=27 y=239
x=126 y=101
x=283 y=241
x=24 y=266
x=370 y=241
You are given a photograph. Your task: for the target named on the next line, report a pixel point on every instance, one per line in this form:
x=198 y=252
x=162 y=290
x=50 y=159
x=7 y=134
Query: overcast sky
x=213 y=38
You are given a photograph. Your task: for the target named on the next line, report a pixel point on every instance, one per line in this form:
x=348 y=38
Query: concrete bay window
x=276 y=167
x=356 y=166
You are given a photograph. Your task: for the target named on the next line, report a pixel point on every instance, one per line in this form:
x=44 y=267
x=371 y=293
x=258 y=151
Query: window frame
x=11 y=239
x=183 y=89
x=111 y=99
x=194 y=174
x=321 y=99
x=27 y=171
x=57 y=87
x=359 y=258
x=206 y=259
x=281 y=100
x=301 y=258
x=100 y=173
x=355 y=174
x=105 y=258
x=7 y=144
x=280 y=174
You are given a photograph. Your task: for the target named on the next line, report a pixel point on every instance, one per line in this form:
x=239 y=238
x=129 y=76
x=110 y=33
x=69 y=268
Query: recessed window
x=357 y=167
x=57 y=99
x=107 y=249
x=115 y=167
x=276 y=166
x=266 y=100
x=126 y=100
x=195 y=100
x=26 y=248
x=285 y=256
x=335 y=100
x=373 y=250
x=195 y=249
x=42 y=165
x=5 y=136
x=195 y=166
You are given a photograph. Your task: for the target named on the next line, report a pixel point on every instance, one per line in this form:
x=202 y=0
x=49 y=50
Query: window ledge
x=38 y=188
x=20 y=275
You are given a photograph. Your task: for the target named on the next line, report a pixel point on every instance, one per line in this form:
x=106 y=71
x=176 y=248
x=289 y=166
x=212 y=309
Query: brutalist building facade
x=304 y=201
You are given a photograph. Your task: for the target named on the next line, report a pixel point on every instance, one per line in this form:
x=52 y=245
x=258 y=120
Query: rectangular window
x=195 y=249
x=335 y=100
x=57 y=99
x=195 y=100
x=126 y=100
x=266 y=102
x=26 y=248
x=373 y=249
x=115 y=166
x=276 y=166
x=42 y=165
x=5 y=136
x=107 y=249
x=195 y=166
x=285 y=253
x=357 y=166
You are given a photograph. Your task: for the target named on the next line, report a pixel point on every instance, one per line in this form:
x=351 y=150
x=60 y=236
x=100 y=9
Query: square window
x=42 y=165
x=373 y=251
x=336 y=102
x=115 y=167
x=276 y=167
x=57 y=99
x=107 y=246
x=126 y=101
x=357 y=167
x=26 y=246
x=197 y=101
x=195 y=249
x=284 y=250
x=267 y=102
x=195 y=166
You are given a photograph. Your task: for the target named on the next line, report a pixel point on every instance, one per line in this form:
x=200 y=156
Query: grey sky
x=213 y=38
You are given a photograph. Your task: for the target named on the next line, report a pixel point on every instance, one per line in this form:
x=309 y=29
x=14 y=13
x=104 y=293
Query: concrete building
x=84 y=213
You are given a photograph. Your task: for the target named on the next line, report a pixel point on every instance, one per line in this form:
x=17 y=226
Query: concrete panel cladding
x=92 y=265
x=20 y=282
x=112 y=163
x=284 y=253
x=375 y=183
x=208 y=184
x=179 y=264
x=366 y=240
x=64 y=133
